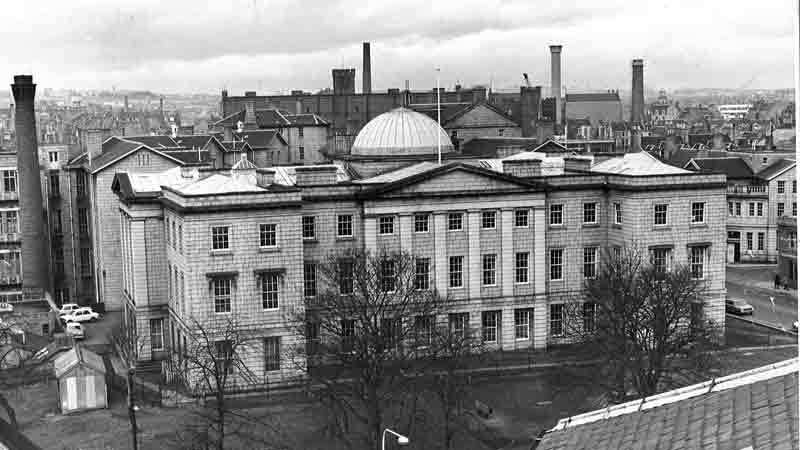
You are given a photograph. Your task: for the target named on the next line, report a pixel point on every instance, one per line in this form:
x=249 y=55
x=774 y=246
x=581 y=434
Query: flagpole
x=438 y=118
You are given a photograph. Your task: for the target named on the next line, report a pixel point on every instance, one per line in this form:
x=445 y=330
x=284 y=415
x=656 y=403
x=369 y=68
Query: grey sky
x=189 y=46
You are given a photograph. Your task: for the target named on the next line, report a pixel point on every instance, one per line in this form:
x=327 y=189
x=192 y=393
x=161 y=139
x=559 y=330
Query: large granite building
x=508 y=241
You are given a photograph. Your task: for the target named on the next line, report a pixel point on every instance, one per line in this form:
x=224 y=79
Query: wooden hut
x=81 y=380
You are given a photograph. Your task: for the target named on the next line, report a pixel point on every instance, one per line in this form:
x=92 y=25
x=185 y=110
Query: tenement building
x=508 y=241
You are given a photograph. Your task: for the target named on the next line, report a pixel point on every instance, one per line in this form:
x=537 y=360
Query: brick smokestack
x=366 y=75
x=35 y=268
x=555 y=78
x=637 y=92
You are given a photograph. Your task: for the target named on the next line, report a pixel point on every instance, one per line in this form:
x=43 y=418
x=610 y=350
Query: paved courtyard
x=755 y=284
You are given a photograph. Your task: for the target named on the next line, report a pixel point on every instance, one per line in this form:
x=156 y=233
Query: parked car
x=75 y=330
x=83 y=314
x=738 y=306
x=67 y=308
x=796 y=325
x=6 y=307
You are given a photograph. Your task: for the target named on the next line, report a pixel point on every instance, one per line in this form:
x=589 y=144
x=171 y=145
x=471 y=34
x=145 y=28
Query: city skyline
x=271 y=46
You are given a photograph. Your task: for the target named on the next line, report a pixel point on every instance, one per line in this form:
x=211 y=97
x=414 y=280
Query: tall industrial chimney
x=35 y=268
x=555 y=78
x=366 y=75
x=637 y=92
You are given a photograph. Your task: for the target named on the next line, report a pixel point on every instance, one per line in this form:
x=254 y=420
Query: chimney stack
x=637 y=92
x=35 y=267
x=555 y=78
x=366 y=75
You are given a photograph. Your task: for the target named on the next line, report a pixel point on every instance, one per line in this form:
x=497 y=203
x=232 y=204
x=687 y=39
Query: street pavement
x=754 y=284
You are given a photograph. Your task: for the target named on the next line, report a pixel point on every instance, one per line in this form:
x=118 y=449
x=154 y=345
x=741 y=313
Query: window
x=794 y=209
x=167 y=233
x=489 y=270
x=794 y=186
x=344 y=225
x=56 y=222
x=157 y=334
x=760 y=241
x=589 y=262
x=556 y=261
x=143 y=158
x=55 y=187
x=752 y=209
x=739 y=209
x=346 y=268
x=730 y=208
x=781 y=209
x=454 y=221
x=521 y=218
x=522 y=324
x=222 y=294
x=556 y=214
x=86 y=262
x=590 y=213
x=618 y=213
x=12 y=221
x=660 y=259
x=300 y=131
x=309 y=280
x=749 y=241
x=302 y=152
x=268 y=234
x=348 y=334
x=456 y=267
x=386 y=225
x=174 y=235
x=224 y=357
x=53 y=156
x=697 y=260
x=308 y=227
x=422 y=268
x=58 y=258
x=760 y=209
x=696 y=316
x=589 y=313
x=83 y=221
x=521 y=267
x=488 y=219
x=272 y=353
x=312 y=337
x=660 y=214
x=420 y=223
x=10 y=180
x=219 y=238
x=557 y=320
x=781 y=187
x=80 y=184
x=387 y=275
x=180 y=239
x=490 y=322
x=423 y=330
x=459 y=324
x=697 y=212
x=269 y=291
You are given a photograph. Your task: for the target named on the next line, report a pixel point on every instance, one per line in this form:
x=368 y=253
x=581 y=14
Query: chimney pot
x=265 y=177
x=366 y=75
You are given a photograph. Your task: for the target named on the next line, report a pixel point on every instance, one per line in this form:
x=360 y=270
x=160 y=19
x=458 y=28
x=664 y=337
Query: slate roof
x=448 y=110
x=400 y=174
x=550 y=145
x=155 y=142
x=593 y=97
x=230 y=120
x=776 y=168
x=732 y=166
x=259 y=138
x=266 y=118
x=193 y=140
x=306 y=119
x=639 y=163
x=217 y=184
x=188 y=155
x=113 y=149
x=472 y=106
x=755 y=409
x=487 y=147
x=286 y=175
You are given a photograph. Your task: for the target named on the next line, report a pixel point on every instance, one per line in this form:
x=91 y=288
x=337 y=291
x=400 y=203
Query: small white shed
x=81 y=380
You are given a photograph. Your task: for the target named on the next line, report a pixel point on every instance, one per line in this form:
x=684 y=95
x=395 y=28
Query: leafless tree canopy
x=643 y=320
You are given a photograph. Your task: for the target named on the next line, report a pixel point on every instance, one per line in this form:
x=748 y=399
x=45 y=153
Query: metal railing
x=747 y=189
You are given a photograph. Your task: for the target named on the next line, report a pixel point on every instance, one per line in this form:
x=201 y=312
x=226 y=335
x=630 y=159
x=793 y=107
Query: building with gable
x=508 y=240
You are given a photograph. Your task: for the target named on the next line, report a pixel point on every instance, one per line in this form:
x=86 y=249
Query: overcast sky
x=187 y=46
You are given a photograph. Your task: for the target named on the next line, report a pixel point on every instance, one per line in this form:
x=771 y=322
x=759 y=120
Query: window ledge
x=661 y=228
x=270 y=309
x=590 y=225
x=556 y=225
x=345 y=238
x=698 y=225
x=221 y=252
x=617 y=225
x=309 y=240
x=269 y=249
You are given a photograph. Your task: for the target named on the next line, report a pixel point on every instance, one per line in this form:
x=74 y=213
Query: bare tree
x=18 y=362
x=371 y=327
x=644 y=320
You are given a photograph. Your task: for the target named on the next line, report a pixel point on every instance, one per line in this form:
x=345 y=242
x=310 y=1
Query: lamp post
x=402 y=440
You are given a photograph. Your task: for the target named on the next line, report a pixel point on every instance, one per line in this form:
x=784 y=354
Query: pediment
x=458 y=180
x=481 y=115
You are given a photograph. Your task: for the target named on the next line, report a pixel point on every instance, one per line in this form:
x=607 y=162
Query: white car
x=6 y=307
x=67 y=308
x=75 y=330
x=84 y=314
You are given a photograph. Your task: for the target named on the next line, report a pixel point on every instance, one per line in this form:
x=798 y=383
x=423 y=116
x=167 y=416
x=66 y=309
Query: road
x=754 y=284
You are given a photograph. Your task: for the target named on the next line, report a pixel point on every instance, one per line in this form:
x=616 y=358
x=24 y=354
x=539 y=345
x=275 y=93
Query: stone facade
x=787 y=250
x=503 y=219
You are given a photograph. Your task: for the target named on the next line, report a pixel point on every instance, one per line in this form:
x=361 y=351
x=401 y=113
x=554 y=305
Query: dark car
x=740 y=307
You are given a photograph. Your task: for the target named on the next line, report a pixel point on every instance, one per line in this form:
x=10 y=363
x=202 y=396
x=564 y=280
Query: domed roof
x=400 y=131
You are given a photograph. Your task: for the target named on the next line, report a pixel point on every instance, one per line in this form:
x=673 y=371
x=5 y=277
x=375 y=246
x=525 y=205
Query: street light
x=402 y=440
